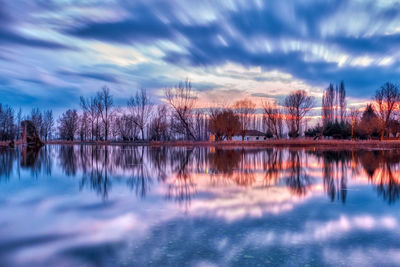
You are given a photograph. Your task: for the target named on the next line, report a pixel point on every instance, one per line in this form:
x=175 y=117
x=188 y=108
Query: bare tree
x=327 y=105
x=355 y=115
x=158 y=129
x=104 y=107
x=84 y=126
x=7 y=129
x=273 y=117
x=89 y=106
x=18 y=125
x=297 y=105
x=125 y=127
x=182 y=101
x=48 y=124
x=37 y=120
x=387 y=97
x=141 y=108
x=342 y=101
x=68 y=124
x=245 y=109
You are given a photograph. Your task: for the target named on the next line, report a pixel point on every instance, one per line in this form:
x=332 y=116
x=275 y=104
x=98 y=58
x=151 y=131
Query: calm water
x=117 y=206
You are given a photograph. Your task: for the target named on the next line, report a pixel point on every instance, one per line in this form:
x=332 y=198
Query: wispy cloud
x=276 y=46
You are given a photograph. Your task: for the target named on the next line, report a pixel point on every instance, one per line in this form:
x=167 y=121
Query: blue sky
x=51 y=52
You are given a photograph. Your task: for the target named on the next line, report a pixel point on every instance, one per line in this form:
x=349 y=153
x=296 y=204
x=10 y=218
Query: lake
x=204 y=206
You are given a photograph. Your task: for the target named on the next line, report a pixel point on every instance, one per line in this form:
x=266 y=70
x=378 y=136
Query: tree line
x=180 y=117
x=379 y=118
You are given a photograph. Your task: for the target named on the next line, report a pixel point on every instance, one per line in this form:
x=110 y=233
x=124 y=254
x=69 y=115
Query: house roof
x=252 y=133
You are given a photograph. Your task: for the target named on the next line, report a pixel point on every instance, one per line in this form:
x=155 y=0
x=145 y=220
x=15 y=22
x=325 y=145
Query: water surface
x=140 y=206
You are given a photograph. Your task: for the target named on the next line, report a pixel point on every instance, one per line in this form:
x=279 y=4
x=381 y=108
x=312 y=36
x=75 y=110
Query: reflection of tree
x=99 y=163
x=388 y=186
x=334 y=170
x=159 y=157
x=273 y=166
x=223 y=162
x=370 y=161
x=245 y=175
x=68 y=160
x=298 y=180
x=181 y=186
x=7 y=157
x=381 y=167
x=335 y=166
x=233 y=165
x=96 y=175
x=36 y=160
x=140 y=180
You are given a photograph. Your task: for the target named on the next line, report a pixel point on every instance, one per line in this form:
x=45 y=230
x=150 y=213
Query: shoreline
x=299 y=143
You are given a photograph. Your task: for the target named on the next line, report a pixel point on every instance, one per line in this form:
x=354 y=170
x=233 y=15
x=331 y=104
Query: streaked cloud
x=240 y=48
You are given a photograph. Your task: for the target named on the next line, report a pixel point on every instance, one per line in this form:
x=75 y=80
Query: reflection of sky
x=58 y=50
x=50 y=218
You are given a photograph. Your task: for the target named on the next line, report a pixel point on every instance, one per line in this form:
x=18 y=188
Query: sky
x=52 y=52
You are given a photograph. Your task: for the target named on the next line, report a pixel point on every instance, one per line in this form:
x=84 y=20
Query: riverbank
x=299 y=143
x=336 y=144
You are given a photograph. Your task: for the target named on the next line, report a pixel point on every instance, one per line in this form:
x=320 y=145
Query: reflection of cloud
x=362 y=256
x=235 y=203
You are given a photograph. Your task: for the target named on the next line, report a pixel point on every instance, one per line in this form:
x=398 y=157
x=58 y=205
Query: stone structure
x=30 y=135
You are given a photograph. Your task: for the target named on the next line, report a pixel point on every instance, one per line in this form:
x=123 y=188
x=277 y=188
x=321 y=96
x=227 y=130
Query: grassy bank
x=337 y=144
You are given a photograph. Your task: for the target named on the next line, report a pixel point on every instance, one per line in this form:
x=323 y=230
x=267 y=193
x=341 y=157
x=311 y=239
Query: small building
x=250 y=135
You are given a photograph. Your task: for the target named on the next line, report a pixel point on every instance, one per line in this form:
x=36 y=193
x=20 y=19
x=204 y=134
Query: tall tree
x=297 y=105
x=245 y=110
x=37 y=120
x=89 y=106
x=104 y=106
x=18 y=125
x=84 y=126
x=182 y=101
x=328 y=99
x=355 y=120
x=158 y=129
x=387 y=97
x=342 y=101
x=48 y=124
x=141 y=109
x=7 y=128
x=273 y=117
x=68 y=124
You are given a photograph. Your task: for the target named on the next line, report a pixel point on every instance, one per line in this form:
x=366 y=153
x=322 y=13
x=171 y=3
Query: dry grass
x=291 y=143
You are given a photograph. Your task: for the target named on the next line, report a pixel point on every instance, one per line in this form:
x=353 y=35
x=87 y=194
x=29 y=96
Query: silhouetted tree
x=369 y=125
x=159 y=125
x=104 y=107
x=89 y=106
x=342 y=101
x=387 y=97
x=182 y=102
x=7 y=127
x=297 y=105
x=328 y=99
x=141 y=108
x=244 y=109
x=47 y=124
x=68 y=124
x=273 y=118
